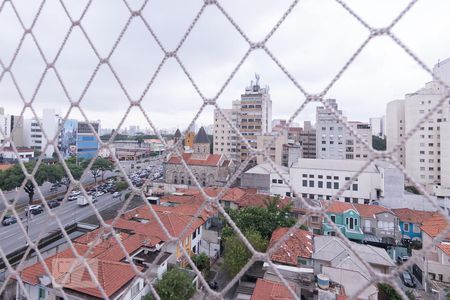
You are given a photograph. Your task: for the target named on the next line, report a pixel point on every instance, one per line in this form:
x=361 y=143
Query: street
x=12 y=237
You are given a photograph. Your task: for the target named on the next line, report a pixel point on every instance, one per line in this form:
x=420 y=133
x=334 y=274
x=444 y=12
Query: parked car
x=53 y=203
x=75 y=193
x=402 y=259
x=8 y=220
x=117 y=195
x=408 y=280
x=213 y=285
x=60 y=199
x=72 y=198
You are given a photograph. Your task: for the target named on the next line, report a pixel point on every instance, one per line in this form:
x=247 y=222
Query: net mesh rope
x=209 y=202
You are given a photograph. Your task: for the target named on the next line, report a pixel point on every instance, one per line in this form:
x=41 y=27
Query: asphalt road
x=12 y=237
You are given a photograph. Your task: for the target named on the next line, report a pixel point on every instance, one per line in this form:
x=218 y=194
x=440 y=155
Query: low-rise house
x=107 y=261
x=410 y=222
x=334 y=259
x=293 y=259
x=271 y=290
x=379 y=224
x=437 y=259
x=346 y=217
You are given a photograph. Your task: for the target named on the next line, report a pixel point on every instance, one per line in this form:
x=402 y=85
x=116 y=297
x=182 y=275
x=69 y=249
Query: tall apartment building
x=378 y=126
x=427 y=153
x=255 y=115
x=272 y=143
x=226 y=140
x=395 y=128
x=11 y=127
x=330 y=133
x=354 y=149
x=308 y=140
x=33 y=136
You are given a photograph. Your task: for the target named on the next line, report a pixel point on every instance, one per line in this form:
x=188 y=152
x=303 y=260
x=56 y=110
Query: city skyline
x=308 y=59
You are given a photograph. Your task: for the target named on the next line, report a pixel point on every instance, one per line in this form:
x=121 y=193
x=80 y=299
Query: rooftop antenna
x=257 y=79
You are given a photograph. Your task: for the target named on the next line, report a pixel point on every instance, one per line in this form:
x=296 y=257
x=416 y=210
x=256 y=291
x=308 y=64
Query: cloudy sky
x=313 y=43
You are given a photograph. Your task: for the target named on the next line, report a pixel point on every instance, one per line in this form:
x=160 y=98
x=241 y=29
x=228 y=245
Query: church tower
x=201 y=145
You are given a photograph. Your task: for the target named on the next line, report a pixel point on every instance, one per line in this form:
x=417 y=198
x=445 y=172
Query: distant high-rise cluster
x=426 y=154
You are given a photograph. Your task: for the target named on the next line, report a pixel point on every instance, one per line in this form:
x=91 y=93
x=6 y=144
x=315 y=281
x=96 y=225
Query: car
x=8 y=220
x=99 y=193
x=402 y=259
x=75 y=193
x=60 y=199
x=117 y=195
x=213 y=285
x=53 y=189
x=53 y=203
x=408 y=280
x=72 y=198
x=34 y=210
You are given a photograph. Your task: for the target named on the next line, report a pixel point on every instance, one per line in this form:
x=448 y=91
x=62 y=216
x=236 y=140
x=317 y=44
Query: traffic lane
x=45 y=190
x=41 y=224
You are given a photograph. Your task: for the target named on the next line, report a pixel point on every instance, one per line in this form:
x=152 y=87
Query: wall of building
x=395 y=128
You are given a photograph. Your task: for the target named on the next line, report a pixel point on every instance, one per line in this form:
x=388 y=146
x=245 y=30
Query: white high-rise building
x=395 y=128
x=354 y=148
x=427 y=152
x=33 y=136
x=378 y=126
x=330 y=133
x=4 y=127
x=226 y=140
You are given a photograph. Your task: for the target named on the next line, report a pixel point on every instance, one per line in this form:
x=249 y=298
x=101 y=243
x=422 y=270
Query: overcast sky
x=314 y=42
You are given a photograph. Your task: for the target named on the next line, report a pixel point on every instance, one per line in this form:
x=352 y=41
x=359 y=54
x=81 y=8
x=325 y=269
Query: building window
x=355 y=187
x=336 y=185
x=135 y=289
x=305 y=183
x=328 y=185
x=288 y=194
x=274 y=181
x=406 y=227
x=333 y=218
x=41 y=293
x=347 y=199
x=416 y=229
x=311 y=183
x=280 y=181
x=315 y=219
x=320 y=184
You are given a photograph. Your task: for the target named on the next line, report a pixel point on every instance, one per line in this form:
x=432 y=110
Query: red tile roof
x=112 y=276
x=369 y=211
x=412 y=216
x=211 y=160
x=270 y=290
x=435 y=225
x=298 y=244
x=338 y=206
x=445 y=247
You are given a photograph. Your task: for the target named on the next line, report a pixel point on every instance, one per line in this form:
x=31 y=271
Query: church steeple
x=201 y=145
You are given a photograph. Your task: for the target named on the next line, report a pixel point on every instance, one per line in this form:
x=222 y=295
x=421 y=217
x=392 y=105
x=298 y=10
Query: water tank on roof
x=323 y=281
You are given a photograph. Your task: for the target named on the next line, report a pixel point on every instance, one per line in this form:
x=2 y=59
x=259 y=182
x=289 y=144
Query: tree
x=75 y=170
x=236 y=254
x=121 y=185
x=99 y=167
x=378 y=143
x=174 y=285
x=262 y=219
x=201 y=261
x=14 y=177
x=387 y=292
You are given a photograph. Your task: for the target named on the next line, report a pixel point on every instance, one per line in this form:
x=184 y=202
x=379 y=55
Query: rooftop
x=211 y=160
x=298 y=244
x=270 y=290
x=350 y=165
x=369 y=211
x=412 y=216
